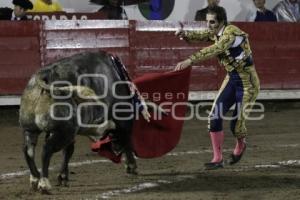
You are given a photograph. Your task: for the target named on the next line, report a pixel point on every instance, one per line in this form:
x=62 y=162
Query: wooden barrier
x=144 y=46
x=276 y=50
x=19 y=54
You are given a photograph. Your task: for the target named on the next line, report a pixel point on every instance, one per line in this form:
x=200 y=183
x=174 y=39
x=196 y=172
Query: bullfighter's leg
x=30 y=142
x=225 y=99
x=63 y=176
x=246 y=96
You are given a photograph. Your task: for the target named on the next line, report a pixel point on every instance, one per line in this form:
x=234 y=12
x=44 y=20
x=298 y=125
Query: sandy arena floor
x=270 y=168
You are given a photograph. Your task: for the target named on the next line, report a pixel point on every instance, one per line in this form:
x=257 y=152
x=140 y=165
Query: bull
x=75 y=96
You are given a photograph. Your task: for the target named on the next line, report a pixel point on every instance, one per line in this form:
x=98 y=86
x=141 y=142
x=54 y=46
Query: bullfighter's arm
x=203 y=35
x=224 y=43
x=195 y=36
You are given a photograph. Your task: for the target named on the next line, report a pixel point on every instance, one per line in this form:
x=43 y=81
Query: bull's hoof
x=34 y=183
x=44 y=186
x=34 y=186
x=62 y=180
x=131 y=170
x=46 y=192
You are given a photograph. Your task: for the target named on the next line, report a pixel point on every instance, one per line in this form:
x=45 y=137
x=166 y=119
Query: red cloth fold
x=104 y=149
x=159 y=136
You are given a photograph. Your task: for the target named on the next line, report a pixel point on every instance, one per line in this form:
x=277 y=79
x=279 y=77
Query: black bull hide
x=70 y=97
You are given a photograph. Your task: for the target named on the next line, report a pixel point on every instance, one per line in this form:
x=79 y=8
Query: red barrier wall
x=157 y=49
x=144 y=46
x=19 y=54
x=276 y=49
x=65 y=38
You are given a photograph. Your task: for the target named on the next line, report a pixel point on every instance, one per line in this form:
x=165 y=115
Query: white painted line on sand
x=73 y=164
x=147 y=185
x=141 y=186
x=88 y=162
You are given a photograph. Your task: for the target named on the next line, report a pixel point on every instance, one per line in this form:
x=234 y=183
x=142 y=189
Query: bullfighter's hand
x=183 y=64
x=146 y=114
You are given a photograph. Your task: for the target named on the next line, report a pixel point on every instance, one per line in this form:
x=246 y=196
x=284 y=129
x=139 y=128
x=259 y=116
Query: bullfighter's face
x=213 y=24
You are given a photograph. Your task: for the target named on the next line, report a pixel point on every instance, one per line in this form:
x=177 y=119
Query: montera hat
x=26 y=4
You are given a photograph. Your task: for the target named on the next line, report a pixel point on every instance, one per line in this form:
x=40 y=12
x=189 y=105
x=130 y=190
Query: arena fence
x=145 y=46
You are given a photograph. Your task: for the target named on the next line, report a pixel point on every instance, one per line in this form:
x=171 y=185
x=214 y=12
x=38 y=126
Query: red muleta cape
x=160 y=135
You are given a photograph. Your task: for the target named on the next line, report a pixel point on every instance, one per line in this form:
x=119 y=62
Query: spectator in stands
x=288 y=11
x=112 y=9
x=261 y=14
x=19 y=11
x=46 y=6
x=240 y=86
x=201 y=14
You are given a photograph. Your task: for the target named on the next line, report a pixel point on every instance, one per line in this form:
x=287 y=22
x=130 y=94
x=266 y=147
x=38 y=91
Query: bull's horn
x=83 y=93
x=42 y=83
